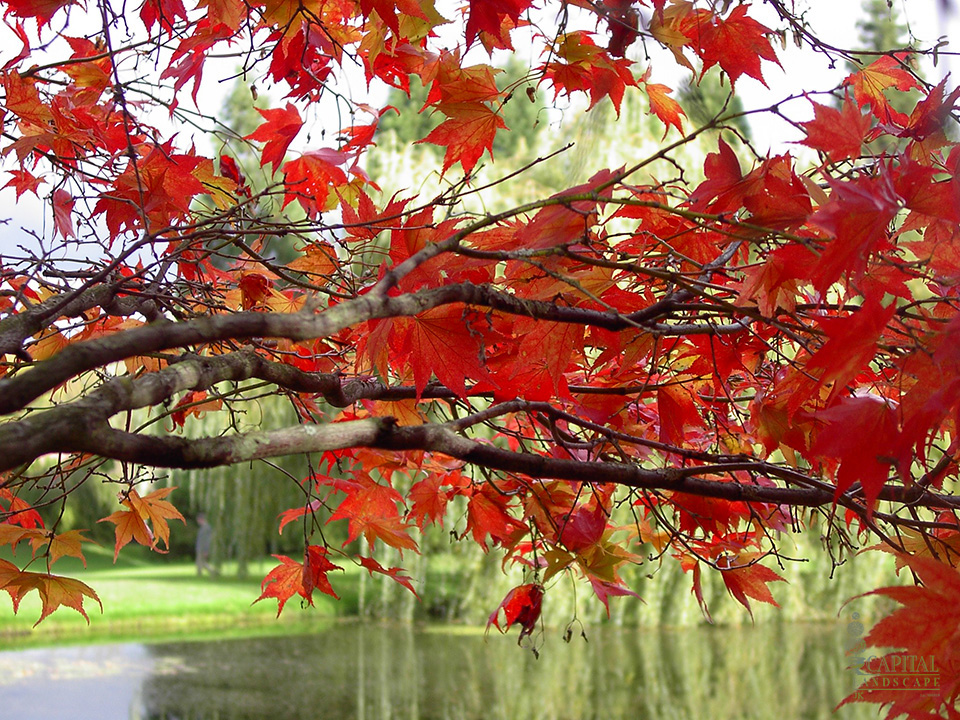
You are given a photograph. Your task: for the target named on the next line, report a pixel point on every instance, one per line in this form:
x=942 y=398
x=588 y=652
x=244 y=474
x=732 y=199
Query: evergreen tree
x=708 y=99
x=881 y=28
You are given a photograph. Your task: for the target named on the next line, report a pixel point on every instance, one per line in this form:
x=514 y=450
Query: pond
x=373 y=672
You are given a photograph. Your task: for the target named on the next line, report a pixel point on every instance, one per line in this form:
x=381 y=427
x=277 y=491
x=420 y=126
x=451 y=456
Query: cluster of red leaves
x=832 y=359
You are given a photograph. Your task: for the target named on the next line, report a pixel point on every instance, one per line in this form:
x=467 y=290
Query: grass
x=146 y=598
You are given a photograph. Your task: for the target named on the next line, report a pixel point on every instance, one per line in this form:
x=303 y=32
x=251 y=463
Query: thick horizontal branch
x=24 y=387
x=17 y=327
x=384 y=433
x=81 y=427
x=45 y=431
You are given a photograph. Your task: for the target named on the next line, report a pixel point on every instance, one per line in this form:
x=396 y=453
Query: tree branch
x=17 y=391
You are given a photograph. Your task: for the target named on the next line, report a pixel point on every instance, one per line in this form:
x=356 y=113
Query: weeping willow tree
x=242 y=502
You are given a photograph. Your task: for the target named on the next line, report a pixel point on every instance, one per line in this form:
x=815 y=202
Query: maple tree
x=696 y=366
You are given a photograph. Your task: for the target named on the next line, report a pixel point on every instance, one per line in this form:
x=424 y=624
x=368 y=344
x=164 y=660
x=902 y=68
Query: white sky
x=835 y=23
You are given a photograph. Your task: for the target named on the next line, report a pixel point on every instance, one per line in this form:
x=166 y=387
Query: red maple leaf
x=289 y=516
x=468 y=131
x=486 y=515
x=932 y=113
x=279 y=130
x=42 y=10
x=372 y=510
x=309 y=178
x=446 y=342
x=291 y=578
x=521 y=606
x=283 y=582
x=869 y=84
x=583 y=66
x=166 y=12
x=623 y=22
x=677 y=412
x=851 y=343
x=395 y=573
x=583 y=528
x=19 y=511
x=315 y=569
x=925 y=627
x=736 y=43
x=604 y=589
x=429 y=502
x=536 y=369
x=488 y=15
x=838 y=133
x=862 y=433
x=254 y=289
x=63 y=213
x=857 y=215
x=746 y=578
x=23 y=181
x=723 y=188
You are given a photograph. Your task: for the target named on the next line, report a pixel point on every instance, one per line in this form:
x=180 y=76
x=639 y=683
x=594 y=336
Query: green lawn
x=147 y=596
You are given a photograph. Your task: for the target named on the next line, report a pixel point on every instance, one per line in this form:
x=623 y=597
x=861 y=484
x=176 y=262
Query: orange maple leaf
x=318 y=261
x=193 y=403
x=8 y=573
x=132 y=523
x=69 y=543
x=225 y=12
x=665 y=107
x=55 y=591
x=11 y=534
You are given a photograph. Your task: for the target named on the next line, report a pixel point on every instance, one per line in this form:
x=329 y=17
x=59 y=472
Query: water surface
x=373 y=672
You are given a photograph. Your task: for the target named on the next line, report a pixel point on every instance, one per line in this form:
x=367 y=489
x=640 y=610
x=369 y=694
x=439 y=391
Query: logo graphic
x=893 y=673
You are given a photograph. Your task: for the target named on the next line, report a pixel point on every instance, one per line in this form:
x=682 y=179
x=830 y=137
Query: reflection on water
x=370 y=672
